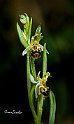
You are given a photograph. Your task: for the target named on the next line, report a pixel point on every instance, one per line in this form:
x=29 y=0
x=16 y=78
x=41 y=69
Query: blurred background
x=57 y=20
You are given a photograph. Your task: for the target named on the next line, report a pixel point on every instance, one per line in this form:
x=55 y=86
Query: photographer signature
x=12 y=112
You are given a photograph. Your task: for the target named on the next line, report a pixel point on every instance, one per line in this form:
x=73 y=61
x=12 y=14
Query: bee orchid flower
x=33 y=46
x=40 y=87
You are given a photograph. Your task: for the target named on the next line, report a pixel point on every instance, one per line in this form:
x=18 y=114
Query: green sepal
x=38 y=35
x=22 y=19
x=22 y=36
x=52 y=108
x=37 y=38
x=26 y=26
x=38 y=30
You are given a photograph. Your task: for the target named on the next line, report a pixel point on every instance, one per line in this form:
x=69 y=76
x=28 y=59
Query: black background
x=57 y=21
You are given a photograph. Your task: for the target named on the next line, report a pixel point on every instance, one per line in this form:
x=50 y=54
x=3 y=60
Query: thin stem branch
x=33 y=70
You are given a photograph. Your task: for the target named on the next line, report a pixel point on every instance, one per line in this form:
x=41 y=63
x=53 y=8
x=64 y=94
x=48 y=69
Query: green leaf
x=44 y=60
x=22 y=36
x=39 y=108
x=52 y=108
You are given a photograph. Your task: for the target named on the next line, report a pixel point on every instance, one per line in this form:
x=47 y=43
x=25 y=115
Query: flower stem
x=33 y=70
x=28 y=74
x=30 y=91
x=40 y=98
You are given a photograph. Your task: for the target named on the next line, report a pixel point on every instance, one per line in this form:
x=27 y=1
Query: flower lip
x=45 y=93
x=35 y=51
x=36 y=55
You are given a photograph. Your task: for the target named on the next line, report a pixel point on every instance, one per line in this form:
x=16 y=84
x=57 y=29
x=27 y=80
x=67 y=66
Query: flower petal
x=32 y=79
x=42 y=48
x=38 y=77
x=25 y=51
x=37 y=90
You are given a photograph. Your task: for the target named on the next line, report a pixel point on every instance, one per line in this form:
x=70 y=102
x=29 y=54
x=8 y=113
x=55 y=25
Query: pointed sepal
x=22 y=36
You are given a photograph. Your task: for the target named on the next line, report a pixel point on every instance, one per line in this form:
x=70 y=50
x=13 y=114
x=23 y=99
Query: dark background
x=57 y=20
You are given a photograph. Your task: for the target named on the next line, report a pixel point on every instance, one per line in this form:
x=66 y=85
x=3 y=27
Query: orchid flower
x=40 y=87
x=33 y=45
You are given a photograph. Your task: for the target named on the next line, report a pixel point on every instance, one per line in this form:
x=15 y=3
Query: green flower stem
x=28 y=74
x=40 y=98
x=33 y=70
x=32 y=105
x=30 y=91
x=31 y=88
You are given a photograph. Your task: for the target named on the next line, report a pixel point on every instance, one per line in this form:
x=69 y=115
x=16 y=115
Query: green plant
x=36 y=86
